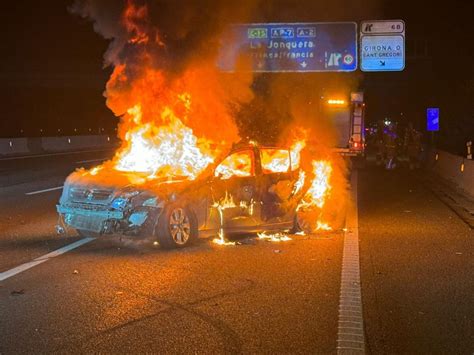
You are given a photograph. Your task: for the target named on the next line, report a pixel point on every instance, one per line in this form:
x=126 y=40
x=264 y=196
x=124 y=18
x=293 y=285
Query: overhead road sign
x=432 y=119
x=382 y=27
x=382 y=53
x=382 y=46
x=290 y=47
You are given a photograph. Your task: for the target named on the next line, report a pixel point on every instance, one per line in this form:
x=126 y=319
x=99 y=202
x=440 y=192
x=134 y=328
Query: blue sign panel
x=432 y=119
x=382 y=53
x=290 y=47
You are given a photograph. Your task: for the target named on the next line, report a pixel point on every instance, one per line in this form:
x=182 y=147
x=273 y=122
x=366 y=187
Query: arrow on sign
x=382 y=63
x=303 y=64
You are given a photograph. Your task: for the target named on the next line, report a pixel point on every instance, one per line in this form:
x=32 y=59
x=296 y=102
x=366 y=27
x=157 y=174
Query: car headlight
x=119 y=203
x=153 y=202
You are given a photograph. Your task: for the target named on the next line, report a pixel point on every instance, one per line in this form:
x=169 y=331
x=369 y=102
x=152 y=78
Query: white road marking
x=54 y=154
x=350 y=336
x=23 y=267
x=45 y=190
x=90 y=161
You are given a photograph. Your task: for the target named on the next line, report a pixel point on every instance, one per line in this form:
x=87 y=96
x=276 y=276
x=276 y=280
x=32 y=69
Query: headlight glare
x=119 y=203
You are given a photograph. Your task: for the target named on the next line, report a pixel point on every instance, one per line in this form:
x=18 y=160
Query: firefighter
x=379 y=143
x=390 y=145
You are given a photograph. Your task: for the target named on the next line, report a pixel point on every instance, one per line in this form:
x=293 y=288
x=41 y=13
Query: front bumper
x=99 y=221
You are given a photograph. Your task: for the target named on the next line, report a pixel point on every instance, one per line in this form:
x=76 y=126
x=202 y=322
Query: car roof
x=253 y=145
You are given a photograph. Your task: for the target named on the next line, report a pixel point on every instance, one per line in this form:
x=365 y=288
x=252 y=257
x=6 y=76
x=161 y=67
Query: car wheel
x=301 y=224
x=177 y=227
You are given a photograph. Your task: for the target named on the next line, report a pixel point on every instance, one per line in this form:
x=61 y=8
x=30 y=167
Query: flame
x=295 y=153
x=221 y=205
x=237 y=164
x=169 y=150
x=317 y=194
x=248 y=206
x=275 y=160
x=320 y=187
x=299 y=183
x=95 y=170
x=274 y=237
x=323 y=226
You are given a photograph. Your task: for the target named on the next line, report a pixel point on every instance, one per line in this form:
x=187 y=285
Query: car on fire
x=253 y=189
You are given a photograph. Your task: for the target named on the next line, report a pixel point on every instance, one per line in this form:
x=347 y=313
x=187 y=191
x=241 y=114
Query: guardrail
x=39 y=145
x=455 y=169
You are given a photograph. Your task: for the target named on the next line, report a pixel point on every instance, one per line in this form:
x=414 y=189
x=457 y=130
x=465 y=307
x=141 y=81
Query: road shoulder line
x=350 y=336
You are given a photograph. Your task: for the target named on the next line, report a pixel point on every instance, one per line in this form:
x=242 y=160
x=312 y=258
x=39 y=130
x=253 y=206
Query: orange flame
x=224 y=203
x=170 y=150
x=295 y=152
x=323 y=226
x=320 y=187
x=275 y=160
x=237 y=164
x=274 y=237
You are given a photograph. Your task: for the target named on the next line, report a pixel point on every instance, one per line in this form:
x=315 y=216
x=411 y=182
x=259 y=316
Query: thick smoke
x=162 y=49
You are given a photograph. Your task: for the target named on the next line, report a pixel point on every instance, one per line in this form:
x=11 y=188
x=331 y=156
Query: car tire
x=300 y=224
x=176 y=227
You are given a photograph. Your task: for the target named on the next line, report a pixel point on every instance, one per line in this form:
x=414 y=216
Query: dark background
x=53 y=78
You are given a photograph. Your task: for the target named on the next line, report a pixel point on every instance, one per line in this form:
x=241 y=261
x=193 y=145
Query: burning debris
x=274 y=237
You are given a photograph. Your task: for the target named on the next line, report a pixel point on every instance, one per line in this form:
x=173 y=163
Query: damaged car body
x=253 y=189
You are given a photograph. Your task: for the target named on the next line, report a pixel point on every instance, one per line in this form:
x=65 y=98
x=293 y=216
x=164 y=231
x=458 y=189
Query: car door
x=276 y=185
x=233 y=201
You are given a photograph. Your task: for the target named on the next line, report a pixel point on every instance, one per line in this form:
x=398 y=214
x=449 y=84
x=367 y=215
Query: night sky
x=53 y=77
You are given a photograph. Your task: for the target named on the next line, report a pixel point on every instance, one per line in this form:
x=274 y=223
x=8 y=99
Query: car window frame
x=253 y=169
x=275 y=148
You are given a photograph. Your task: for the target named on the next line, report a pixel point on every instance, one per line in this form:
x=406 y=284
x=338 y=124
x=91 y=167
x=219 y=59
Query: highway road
x=397 y=279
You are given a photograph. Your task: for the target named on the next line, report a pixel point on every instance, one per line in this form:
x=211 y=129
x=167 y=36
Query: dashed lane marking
x=45 y=190
x=350 y=336
x=23 y=267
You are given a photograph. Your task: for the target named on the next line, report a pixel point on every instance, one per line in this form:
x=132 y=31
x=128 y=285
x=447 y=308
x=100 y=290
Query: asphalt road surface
x=416 y=260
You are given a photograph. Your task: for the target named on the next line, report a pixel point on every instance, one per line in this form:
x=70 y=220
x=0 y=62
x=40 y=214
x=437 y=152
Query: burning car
x=254 y=188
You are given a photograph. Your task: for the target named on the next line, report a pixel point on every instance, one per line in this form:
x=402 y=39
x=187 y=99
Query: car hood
x=111 y=183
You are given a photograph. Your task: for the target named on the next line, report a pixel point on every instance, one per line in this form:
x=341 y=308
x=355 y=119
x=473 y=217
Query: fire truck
x=347 y=114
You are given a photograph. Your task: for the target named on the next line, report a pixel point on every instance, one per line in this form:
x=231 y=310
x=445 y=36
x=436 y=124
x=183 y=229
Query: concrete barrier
x=31 y=146
x=61 y=144
x=10 y=146
x=455 y=169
